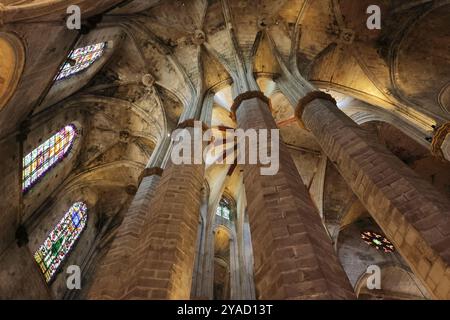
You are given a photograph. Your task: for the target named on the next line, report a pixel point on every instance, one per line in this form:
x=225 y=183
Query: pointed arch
x=46 y=156
x=61 y=240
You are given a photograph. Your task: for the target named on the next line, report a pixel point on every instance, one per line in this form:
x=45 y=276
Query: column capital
x=247 y=96
x=438 y=140
x=310 y=97
x=148 y=172
x=190 y=123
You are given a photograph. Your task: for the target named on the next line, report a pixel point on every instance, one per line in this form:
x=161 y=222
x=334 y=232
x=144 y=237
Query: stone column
x=235 y=267
x=207 y=108
x=293 y=255
x=244 y=247
x=165 y=255
x=247 y=264
x=200 y=252
x=414 y=216
x=440 y=145
x=111 y=278
x=207 y=260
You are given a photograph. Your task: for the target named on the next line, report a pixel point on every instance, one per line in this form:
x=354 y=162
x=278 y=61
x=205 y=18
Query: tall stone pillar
x=165 y=255
x=247 y=276
x=440 y=145
x=207 y=276
x=293 y=256
x=202 y=288
x=112 y=276
x=200 y=252
x=414 y=216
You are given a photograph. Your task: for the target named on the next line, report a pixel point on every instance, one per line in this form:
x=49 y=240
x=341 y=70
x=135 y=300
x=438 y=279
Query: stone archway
x=222 y=256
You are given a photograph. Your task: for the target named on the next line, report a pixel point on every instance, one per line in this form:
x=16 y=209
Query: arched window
x=224 y=209
x=39 y=161
x=61 y=239
x=81 y=59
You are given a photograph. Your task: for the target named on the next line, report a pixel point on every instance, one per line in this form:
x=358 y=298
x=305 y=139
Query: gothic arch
x=444 y=98
x=401 y=41
x=63 y=88
x=363 y=113
x=397 y=283
x=107 y=174
x=222 y=260
x=92 y=102
x=415 y=155
x=50 y=180
x=356 y=256
x=99 y=216
x=355 y=106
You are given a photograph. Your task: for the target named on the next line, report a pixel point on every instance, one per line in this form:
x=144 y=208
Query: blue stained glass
x=61 y=239
x=75 y=218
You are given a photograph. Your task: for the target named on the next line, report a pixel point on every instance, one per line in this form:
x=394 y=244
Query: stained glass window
x=81 y=59
x=377 y=241
x=223 y=209
x=39 y=161
x=61 y=239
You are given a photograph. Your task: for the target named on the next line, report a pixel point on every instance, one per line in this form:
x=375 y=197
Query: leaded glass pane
x=377 y=241
x=39 y=161
x=81 y=59
x=61 y=239
x=223 y=209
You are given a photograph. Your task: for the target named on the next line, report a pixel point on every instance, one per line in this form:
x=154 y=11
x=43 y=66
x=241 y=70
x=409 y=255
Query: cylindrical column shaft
x=414 y=215
x=112 y=274
x=166 y=252
x=294 y=257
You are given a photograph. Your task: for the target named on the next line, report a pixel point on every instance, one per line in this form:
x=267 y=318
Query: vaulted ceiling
x=190 y=46
x=163 y=56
